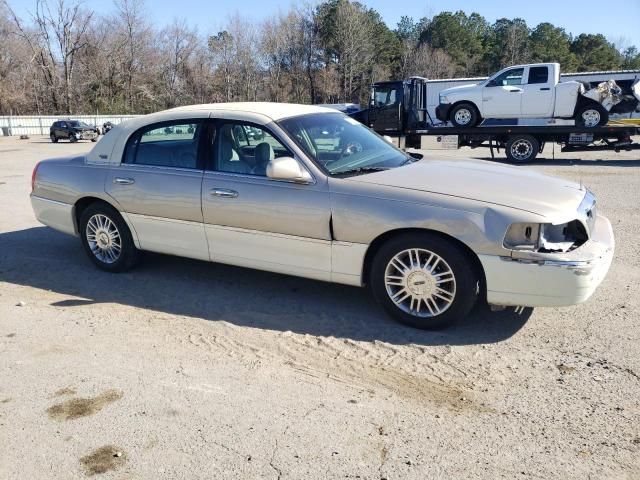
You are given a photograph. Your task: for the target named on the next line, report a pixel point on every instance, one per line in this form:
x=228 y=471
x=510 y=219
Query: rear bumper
x=442 y=111
x=555 y=280
x=56 y=215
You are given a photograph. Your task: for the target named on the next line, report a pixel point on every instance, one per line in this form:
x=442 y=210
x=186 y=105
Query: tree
x=552 y=44
x=594 y=52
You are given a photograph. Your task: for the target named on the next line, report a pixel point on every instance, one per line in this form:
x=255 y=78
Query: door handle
x=515 y=90
x=223 y=192
x=123 y=181
x=545 y=88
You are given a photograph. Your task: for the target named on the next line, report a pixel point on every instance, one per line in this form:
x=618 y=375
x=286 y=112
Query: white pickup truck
x=530 y=91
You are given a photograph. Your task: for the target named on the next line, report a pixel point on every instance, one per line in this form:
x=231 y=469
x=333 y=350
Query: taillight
x=33 y=176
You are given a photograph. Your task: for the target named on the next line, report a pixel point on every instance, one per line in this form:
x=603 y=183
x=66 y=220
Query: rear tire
x=424 y=280
x=53 y=138
x=522 y=148
x=464 y=115
x=592 y=115
x=106 y=238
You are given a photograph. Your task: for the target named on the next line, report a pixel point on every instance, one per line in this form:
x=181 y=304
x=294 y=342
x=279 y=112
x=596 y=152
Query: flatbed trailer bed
x=522 y=143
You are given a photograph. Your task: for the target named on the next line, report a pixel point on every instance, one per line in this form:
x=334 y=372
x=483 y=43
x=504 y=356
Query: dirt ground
x=186 y=369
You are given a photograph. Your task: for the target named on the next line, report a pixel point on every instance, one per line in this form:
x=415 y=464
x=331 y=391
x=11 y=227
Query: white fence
x=39 y=124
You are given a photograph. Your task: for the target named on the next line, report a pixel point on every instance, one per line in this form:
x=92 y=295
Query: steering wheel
x=351 y=148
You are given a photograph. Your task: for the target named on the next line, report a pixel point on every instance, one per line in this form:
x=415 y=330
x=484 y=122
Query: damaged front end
x=553 y=238
x=609 y=94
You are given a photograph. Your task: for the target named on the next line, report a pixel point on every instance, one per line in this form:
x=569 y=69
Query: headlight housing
x=545 y=237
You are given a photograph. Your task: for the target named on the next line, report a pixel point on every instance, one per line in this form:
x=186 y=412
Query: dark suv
x=73 y=130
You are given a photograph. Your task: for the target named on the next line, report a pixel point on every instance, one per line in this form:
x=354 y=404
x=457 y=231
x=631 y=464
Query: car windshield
x=76 y=123
x=341 y=145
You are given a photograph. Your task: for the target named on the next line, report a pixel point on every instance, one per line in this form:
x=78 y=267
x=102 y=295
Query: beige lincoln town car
x=308 y=191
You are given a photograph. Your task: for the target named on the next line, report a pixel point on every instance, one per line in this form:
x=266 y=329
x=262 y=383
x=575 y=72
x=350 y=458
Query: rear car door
x=538 y=93
x=254 y=221
x=501 y=97
x=158 y=185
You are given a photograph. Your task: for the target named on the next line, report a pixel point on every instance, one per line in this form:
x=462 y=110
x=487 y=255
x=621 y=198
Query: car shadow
x=561 y=162
x=43 y=258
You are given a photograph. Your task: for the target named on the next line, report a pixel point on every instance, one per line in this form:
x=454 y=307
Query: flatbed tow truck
x=398 y=109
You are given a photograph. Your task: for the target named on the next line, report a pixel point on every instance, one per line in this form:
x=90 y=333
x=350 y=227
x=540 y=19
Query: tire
x=72 y=138
x=108 y=228
x=522 y=148
x=464 y=115
x=53 y=138
x=421 y=309
x=94 y=140
x=592 y=115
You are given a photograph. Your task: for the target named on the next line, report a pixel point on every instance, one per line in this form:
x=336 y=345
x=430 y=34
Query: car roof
x=274 y=111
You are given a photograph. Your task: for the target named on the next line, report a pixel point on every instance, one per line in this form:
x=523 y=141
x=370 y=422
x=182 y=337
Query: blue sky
x=617 y=20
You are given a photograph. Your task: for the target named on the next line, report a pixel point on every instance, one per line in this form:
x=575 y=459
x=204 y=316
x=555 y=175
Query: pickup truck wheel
x=107 y=239
x=592 y=115
x=522 y=149
x=54 y=139
x=424 y=281
x=464 y=115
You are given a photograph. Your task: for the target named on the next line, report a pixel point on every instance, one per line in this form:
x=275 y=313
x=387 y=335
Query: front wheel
x=106 y=238
x=592 y=115
x=464 y=115
x=424 y=280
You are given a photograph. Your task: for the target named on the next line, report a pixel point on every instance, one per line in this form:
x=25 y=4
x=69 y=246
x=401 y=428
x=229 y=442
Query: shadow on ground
x=45 y=259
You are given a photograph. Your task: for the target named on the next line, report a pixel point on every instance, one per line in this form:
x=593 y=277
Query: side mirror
x=288 y=168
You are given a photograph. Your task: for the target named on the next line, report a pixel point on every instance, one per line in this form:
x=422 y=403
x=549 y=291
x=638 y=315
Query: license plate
x=580 y=137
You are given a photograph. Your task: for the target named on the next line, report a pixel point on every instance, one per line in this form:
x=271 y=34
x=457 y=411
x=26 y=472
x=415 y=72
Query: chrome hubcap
x=103 y=238
x=463 y=116
x=591 y=118
x=420 y=282
x=521 y=149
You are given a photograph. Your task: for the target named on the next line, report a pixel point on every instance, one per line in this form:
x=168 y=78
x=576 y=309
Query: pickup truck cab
x=521 y=91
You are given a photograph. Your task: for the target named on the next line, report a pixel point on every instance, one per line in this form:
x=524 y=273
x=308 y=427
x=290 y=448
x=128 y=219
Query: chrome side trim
x=55 y=202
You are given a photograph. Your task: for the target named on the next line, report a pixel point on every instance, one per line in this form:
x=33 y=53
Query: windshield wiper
x=359 y=170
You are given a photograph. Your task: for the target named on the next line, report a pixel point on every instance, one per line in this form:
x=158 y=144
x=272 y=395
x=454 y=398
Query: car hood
x=458 y=89
x=514 y=187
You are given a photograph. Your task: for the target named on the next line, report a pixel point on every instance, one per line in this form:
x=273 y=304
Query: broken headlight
x=545 y=237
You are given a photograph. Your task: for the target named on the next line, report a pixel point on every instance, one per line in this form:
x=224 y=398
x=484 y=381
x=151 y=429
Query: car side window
x=384 y=96
x=245 y=148
x=510 y=77
x=538 y=75
x=169 y=144
x=62 y=125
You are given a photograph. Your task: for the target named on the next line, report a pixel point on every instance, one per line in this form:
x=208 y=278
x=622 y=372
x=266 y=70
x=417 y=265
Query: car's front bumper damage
x=551 y=280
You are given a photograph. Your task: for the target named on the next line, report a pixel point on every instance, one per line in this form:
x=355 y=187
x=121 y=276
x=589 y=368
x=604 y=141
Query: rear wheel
x=53 y=138
x=464 y=115
x=522 y=148
x=106 y=238
x=592 y=115
x=424 y=281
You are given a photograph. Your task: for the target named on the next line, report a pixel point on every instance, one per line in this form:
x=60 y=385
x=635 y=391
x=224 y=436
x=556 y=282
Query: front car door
x=385 y=110
x=158 y=186
x=254 y=221
x=538 y=93
x=502 y=95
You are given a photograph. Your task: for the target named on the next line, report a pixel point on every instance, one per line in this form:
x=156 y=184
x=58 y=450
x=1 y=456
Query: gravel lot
x=184 y=369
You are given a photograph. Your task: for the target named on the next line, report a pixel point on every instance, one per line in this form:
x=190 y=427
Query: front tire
x=72 y=138
x=424 y=280
x=592 y=115
x=106 y=238
x=464 y=115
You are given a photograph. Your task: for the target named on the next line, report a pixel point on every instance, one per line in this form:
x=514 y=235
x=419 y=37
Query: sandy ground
x=184 y=369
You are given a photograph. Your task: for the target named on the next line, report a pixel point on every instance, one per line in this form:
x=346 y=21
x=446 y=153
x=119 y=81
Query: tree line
x=66 y=59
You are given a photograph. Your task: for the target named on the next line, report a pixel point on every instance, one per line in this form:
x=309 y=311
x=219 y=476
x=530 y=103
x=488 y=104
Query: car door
x=158 y=185
x=538 y=93
x=502 y=95
x=253 y=221
x=385 y=110
x=62 y=131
